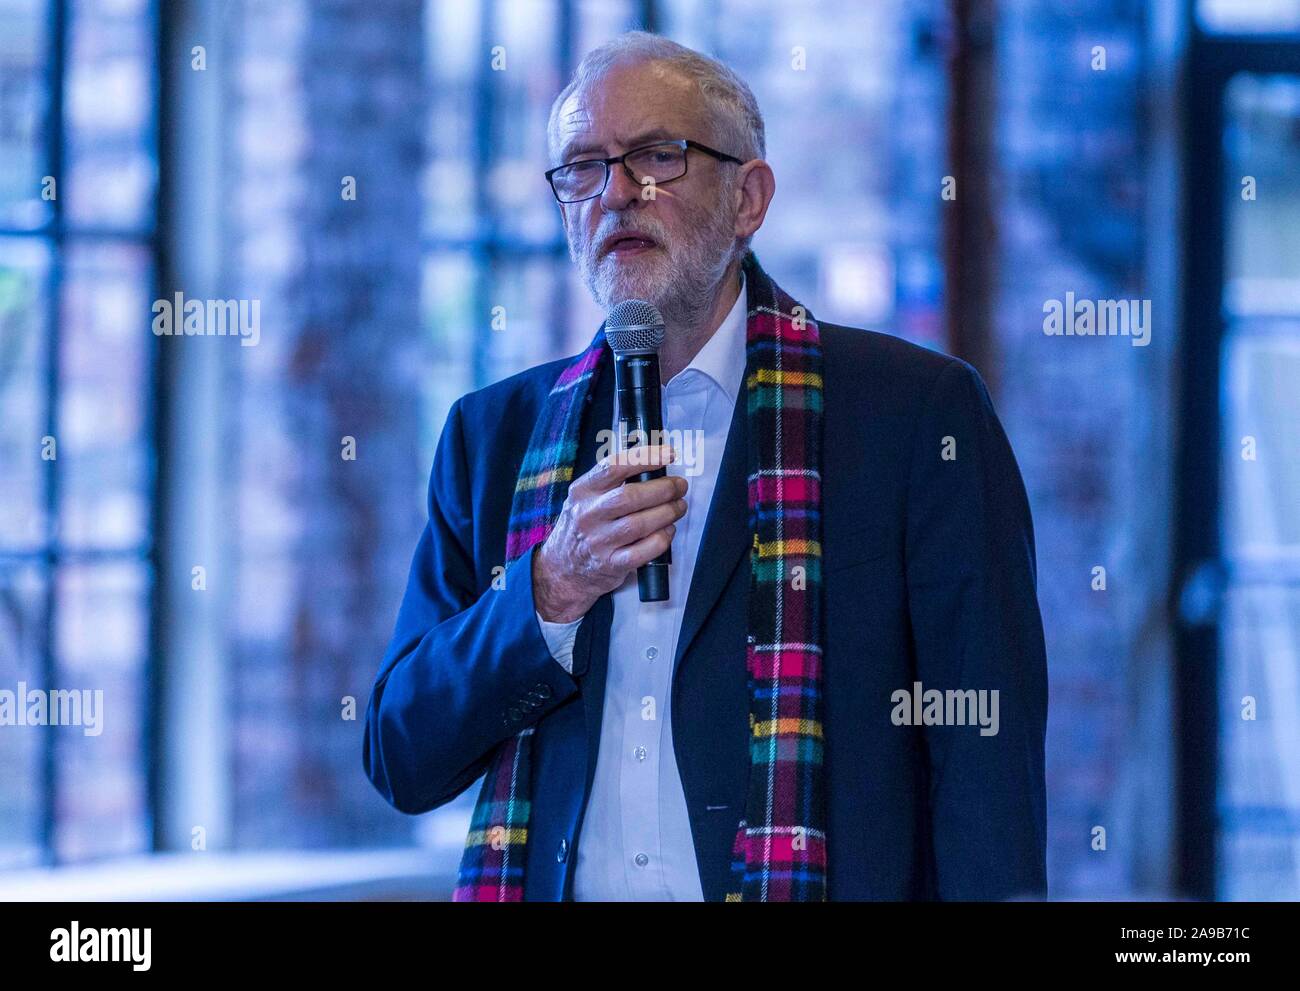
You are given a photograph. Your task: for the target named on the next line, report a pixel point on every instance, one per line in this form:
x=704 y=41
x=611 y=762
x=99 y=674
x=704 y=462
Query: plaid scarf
x=779 y=853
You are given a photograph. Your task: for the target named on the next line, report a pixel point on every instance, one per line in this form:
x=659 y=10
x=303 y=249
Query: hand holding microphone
x=620 y=515
x=635 y=332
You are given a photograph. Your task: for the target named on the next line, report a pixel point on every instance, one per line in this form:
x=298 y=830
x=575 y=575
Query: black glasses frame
x=682 y=143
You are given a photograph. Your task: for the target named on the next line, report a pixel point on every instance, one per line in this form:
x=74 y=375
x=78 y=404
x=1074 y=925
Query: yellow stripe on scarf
x=773 y=376
x=499 y=837
x=787 y=727
x=777 y=548
x=561 y=474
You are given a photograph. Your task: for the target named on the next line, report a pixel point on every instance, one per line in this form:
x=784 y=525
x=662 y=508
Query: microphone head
x=634 y=325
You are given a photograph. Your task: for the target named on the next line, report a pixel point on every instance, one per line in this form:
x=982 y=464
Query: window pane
x=452 y=31
x=1259 y=747
x=533 y=330
x=101 y=632
x=522 y=204
x=24 y=265
x=600 y=20
x=22 y=638
x=109 y=104
x=106 y=344
x=447 y=297
x=1261 y=437
x=858 y=231
x=1245 y=16
x=584 y=315
x=23 y=107
x=1259 y=794
x=1262 y=308
x=1262 y=141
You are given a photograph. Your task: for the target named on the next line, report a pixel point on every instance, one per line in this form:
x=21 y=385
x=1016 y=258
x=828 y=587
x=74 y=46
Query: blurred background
x=181 y=525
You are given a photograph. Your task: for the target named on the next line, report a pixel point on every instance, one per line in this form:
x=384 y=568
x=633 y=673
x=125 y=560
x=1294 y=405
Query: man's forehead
x=625 y=105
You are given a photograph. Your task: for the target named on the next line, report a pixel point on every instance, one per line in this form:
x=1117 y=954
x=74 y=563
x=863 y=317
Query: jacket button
x=562 y=852
x=543 y=690
x=513 y=714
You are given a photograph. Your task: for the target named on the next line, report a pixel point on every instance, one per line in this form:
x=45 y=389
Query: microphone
x=635 y=331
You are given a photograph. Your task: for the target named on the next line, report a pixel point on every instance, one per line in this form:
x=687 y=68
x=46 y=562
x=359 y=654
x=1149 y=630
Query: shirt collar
x=722 y=359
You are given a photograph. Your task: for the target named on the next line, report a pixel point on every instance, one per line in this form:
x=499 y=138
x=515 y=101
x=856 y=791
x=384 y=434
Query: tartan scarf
x=779 y=853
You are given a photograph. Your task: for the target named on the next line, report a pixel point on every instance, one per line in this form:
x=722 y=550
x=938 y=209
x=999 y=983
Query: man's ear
x=755 y=187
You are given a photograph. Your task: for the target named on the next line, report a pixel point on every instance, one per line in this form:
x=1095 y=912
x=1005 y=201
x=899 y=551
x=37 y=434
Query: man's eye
x=581 y=171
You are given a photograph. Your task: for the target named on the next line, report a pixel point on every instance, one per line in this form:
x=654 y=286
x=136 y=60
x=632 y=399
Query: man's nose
x=621 y=191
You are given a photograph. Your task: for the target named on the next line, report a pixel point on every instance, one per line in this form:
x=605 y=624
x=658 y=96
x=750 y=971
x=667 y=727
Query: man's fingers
x=646 y=549
x=636 y=526
x=617 y=468
x=632 y=497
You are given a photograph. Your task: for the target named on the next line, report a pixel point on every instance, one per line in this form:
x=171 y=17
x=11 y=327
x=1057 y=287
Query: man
x=844 y=696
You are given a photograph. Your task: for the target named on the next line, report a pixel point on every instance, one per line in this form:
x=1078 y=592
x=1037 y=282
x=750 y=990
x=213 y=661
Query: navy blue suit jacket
x=929 y=577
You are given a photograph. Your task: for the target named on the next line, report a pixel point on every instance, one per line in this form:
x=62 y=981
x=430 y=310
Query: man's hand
x=607 y=528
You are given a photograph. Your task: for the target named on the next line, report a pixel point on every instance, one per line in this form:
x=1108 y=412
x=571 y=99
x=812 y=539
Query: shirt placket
x=647 y=703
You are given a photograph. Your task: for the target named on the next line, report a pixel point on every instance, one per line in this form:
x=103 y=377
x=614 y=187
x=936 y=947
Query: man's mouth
x=626 y=245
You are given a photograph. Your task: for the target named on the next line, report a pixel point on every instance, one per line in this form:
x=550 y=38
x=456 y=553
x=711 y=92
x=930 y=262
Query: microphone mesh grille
x=634 y=325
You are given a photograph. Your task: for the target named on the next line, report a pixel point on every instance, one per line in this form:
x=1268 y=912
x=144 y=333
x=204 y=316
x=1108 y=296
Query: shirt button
x=651 y=653
x=641 y=860
x=639 y=753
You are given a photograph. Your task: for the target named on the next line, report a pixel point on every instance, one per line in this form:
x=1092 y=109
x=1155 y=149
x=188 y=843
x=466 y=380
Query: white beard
x=678 y=280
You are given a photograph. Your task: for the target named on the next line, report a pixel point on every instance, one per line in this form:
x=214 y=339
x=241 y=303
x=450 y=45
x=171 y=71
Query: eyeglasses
x=661 y=162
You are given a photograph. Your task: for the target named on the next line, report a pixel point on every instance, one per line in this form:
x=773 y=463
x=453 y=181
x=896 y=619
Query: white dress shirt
x=636 y=842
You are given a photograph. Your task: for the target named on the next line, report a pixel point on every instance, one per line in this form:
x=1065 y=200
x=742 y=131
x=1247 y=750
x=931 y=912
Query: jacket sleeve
x=972 y=597
x=466 y=668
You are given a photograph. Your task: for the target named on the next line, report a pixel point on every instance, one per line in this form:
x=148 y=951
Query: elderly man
x=844 y=695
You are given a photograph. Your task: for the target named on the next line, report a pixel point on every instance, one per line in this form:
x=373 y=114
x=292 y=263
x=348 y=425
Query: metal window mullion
x=55 y=160
x=154 y=672
x=557 y=251
x=58 y=232
x=482 y=242
x=485 y=251
x=648 y=16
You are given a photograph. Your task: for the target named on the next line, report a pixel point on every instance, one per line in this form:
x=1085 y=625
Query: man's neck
x=687 y=335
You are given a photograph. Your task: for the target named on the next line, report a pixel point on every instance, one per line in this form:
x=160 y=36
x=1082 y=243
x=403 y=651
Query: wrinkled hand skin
x=608 y=526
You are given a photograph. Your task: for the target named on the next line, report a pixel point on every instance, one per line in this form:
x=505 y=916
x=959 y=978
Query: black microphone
x=635 y=330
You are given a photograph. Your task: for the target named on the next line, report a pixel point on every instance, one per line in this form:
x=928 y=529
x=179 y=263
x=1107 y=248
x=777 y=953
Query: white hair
x=728 y=100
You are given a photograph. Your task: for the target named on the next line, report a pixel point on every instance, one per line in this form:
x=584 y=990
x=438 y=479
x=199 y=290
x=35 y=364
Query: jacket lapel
x=727 y=532
x=591 y=645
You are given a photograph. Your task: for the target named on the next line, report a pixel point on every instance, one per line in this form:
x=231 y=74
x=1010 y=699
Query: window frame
x=1213 y=60
x=52 y=553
